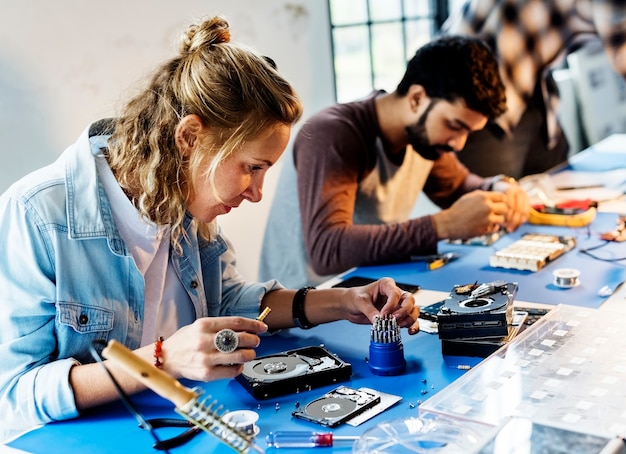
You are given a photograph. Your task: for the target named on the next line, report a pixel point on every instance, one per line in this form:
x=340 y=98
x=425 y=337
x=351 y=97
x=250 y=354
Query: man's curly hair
x=458 y=67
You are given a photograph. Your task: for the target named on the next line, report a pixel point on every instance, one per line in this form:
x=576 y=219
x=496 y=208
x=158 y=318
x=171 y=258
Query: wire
x=603 y=259
x=199 y=413
x=143 y=422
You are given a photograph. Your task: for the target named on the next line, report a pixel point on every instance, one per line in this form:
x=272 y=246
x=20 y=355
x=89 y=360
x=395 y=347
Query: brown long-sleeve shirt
x=336 y=153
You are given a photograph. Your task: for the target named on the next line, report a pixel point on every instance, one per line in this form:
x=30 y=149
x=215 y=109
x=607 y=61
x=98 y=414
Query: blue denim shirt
x=67 y=280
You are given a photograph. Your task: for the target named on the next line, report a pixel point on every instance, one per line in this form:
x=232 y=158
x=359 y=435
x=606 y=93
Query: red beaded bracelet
x=158 y=345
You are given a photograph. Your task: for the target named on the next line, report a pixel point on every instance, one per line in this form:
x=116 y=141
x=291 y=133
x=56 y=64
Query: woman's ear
x=187 y=134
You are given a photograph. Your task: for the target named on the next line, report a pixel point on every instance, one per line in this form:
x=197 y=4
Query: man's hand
x=474 y=214
x=519 y=207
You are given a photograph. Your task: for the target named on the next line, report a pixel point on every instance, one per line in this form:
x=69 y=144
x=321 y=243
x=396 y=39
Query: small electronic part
x=264 y=314
x=532 y=251
x=482 y=240
x=386 y=352
x=337 y=406
x=618 y=234
x=534 y=313
x=430 y=312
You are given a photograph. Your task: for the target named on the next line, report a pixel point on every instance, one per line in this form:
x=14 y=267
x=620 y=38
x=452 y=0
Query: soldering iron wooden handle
x=154 y=378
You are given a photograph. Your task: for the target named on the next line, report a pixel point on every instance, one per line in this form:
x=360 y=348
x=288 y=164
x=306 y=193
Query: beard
x=418 y=138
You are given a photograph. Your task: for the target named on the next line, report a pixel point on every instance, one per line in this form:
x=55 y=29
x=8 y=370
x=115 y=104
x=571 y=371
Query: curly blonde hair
x=237 y=94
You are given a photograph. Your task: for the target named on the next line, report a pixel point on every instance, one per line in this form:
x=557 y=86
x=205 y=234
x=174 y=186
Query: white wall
x=65 y=63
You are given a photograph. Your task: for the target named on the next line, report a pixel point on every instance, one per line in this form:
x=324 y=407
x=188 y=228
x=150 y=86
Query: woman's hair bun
x=211 y=31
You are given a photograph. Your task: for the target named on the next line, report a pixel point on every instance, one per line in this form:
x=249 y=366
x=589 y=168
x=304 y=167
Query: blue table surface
x=111 y=428
x=473 y=265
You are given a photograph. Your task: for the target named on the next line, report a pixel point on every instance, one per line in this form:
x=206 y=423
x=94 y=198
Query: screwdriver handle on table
x=303 y=439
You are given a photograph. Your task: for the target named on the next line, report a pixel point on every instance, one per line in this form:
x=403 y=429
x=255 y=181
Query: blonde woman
x=118 y=239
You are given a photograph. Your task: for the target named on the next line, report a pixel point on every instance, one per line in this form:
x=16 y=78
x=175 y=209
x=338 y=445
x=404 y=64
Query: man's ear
x=187 y=133
x=416 y=95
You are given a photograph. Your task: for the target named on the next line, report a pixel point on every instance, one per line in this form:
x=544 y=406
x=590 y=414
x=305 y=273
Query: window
x=374 y=39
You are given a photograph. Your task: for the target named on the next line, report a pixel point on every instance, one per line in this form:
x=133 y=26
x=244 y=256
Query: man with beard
x=359 y=168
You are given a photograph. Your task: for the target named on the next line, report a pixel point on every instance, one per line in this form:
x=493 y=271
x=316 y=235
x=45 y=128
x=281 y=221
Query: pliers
x=178 y=440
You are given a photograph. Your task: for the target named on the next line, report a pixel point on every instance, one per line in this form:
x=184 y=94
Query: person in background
x=531 y=38
x=360 y=166
x=118 y=239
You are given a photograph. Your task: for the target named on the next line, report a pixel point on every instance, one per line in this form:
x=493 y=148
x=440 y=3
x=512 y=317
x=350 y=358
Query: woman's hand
x=383 y=297
x=191 y=352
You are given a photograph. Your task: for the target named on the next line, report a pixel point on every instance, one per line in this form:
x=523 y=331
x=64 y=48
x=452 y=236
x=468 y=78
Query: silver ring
x=226 y=340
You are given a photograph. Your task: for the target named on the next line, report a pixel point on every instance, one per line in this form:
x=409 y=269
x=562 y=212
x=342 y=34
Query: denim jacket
x=67 y=280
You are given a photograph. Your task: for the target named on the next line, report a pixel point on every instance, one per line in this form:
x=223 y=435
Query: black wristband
x=297 y=309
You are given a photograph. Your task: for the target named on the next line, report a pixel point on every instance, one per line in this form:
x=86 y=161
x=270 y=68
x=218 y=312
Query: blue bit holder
x=386 y=350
